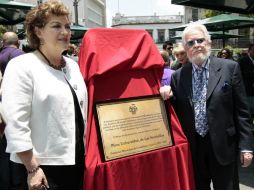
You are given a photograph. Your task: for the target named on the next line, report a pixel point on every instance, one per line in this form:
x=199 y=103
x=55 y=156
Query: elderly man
x=210 y=102
x=9 y=51
x=167 y=72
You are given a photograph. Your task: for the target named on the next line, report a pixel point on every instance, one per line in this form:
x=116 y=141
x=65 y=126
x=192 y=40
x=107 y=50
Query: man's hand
x=166 y=92
x=246 y=158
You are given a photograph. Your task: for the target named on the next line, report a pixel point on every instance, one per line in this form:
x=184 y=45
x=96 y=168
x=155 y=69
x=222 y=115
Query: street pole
x=39 y=2
x=118 y=7
x=75 y=4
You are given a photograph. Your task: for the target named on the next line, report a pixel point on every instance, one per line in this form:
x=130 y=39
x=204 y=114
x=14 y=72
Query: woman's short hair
x=178 y=47
x=196 y=26
x=227 y=52
x=39 y=16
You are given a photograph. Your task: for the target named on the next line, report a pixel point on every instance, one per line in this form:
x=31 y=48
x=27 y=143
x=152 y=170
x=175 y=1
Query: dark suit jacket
x=247 y=69
x=227 y=111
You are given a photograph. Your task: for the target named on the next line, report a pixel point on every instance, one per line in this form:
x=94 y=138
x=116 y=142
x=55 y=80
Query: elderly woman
x=225 y=53
x=181 y=56
x=45 y=103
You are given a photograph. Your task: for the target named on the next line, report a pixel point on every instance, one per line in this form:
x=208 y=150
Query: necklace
x=57 y=67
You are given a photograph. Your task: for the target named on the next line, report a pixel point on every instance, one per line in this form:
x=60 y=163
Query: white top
x=39 y=108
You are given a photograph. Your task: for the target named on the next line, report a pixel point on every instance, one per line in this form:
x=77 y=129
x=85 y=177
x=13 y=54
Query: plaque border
x=98 y=129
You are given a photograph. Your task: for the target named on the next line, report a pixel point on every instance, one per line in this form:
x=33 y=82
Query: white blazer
x=39 y=109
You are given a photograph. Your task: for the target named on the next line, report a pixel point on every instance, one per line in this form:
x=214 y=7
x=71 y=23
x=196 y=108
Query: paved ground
x=246 y=176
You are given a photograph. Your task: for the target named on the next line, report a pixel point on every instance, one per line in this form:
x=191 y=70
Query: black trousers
x=11 y=176
x=4 y=166
x=207 y=169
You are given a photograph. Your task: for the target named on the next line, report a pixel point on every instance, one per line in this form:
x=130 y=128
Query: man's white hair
x=196 y=26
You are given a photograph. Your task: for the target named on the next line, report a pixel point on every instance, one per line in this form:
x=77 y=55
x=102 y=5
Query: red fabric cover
x=121 y=63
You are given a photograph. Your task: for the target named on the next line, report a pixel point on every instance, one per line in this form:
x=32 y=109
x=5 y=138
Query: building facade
x=157 y=26
x=90 y=13
x=192 y=14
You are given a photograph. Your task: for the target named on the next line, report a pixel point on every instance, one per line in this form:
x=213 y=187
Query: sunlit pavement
x=246 y=177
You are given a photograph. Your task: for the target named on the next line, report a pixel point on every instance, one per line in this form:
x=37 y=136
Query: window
x=150 y=32
x=161 y=35
x=171 y=33
x=194 y=14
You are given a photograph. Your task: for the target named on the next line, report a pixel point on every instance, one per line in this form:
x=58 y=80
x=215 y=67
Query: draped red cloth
x=122 y=63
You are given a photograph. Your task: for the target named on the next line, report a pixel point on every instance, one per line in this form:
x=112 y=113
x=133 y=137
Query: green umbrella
x=222 y=22
x=12 y=12
x=77 y=32
x=214 y=35
x=234 y=6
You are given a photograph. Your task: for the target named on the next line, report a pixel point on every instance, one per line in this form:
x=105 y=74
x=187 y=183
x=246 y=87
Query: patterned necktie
x=199 y=95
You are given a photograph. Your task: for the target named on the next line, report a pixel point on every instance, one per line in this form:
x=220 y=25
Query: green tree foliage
x=251 y=31
x=249 y=15
x=210 y=13
x=2 y=30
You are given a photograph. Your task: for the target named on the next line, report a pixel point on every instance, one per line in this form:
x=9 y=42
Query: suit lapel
x=214 y=76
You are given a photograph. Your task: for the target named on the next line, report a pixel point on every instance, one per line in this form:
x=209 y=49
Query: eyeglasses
x=193 y=42
x=169 y=48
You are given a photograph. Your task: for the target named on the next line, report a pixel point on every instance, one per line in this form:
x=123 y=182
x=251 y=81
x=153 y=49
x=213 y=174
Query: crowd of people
x=44 y=98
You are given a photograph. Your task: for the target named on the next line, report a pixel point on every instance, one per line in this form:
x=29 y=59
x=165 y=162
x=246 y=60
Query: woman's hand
x=37 y=180
x=166 y=92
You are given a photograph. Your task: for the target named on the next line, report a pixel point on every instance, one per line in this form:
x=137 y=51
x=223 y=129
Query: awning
x=234 y=6
x=222 y=22
x=12 y=12
x=214 y=35
x=77 y=32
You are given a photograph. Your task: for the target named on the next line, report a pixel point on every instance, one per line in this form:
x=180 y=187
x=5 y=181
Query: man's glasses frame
x=191 y=43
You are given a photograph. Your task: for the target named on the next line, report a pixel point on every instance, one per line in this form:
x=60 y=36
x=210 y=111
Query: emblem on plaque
x=133 y=109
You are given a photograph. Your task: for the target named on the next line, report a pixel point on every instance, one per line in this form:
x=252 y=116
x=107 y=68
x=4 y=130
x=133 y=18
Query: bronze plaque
x=132 y=126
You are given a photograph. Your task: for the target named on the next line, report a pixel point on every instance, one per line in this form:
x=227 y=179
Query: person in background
x=210 y=102
x=45 y=104
x=219 y=54
x=71 y=52
x=167 y=72
x=180 y=55
x=168 y=46
x=9 y=50
x=26 y=48
x=247 y=68
x=225 y=53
